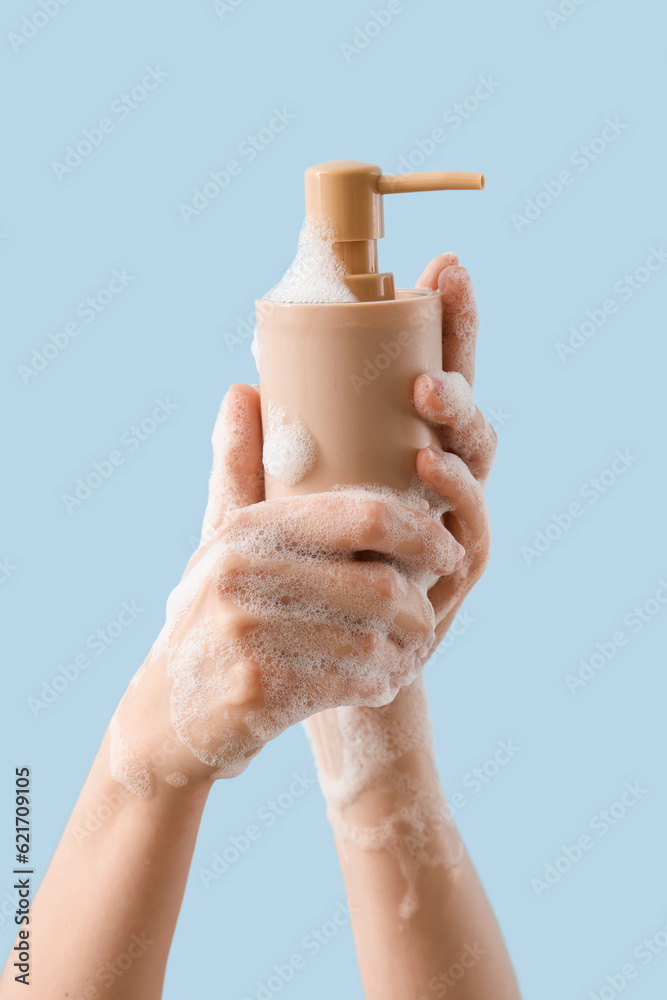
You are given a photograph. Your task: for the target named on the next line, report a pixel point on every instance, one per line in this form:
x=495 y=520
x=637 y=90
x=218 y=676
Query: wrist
x=176 y=776
x=154 y=744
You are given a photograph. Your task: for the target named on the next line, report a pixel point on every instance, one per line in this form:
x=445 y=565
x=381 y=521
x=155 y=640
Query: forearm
x=421 y=920
x=105 y=913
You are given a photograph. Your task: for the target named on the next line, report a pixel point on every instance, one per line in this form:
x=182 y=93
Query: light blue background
x=164 y=336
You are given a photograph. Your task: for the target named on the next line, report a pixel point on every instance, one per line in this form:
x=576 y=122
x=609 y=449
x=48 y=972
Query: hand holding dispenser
x=336 y=377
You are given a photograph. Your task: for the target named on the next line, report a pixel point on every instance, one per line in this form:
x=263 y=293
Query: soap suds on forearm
x=416 y=828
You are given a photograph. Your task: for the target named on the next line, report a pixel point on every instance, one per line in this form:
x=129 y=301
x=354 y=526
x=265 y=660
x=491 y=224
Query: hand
x=469 y=441
x=376 y=766
x=277 y=617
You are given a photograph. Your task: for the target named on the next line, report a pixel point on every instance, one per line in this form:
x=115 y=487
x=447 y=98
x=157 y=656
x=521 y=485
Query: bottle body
x=337 y=381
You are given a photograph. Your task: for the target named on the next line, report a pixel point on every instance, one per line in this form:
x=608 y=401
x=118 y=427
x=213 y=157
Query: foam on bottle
x=317 y=272
x=315 y=275
x=289 y=450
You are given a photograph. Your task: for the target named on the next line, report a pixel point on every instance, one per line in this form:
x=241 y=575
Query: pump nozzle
x=434 y=180
x=348 y=196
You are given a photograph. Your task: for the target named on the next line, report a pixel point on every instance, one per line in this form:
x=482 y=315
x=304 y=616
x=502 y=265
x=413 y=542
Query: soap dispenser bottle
x=342 y=373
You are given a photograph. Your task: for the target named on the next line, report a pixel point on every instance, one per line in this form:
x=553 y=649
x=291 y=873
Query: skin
x=127 y=853
x=453 y=926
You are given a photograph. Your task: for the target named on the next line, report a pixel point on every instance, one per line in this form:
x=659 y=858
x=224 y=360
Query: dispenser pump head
x=347 y=195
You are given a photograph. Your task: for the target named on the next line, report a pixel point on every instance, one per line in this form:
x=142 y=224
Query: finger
x=445 y=398
x=236 y=477
x=346 y=677
x=460 y=322
x=343 y=523
x=450 y=477
x=355 y=689
x=342 y=676
x=351 y=594
x=433 y=270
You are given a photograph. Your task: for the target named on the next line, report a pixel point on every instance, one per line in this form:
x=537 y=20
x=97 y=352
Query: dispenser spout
x=434 y=180
x=347 y=196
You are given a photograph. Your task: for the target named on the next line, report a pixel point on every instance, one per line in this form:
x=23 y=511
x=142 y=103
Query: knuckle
x=370 y=642
x=383 y=581
x=245 y=685
x=229 y=570
x=415 y=620
x=373 y=520
x=238 y=624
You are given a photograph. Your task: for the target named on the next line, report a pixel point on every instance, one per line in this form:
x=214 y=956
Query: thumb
x=237 y=473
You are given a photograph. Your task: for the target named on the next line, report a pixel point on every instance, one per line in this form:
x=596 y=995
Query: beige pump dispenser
x=337 y=378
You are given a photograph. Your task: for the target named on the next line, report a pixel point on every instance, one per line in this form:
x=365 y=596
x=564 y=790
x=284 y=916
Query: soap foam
x=289 y=450
x=317 y=272
x=177 y=779
x=289 y=607
x=460 y=316
x=127 y=768
x=415 y=825
x=303 y=622
x=466 y=432
x=454 y=395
